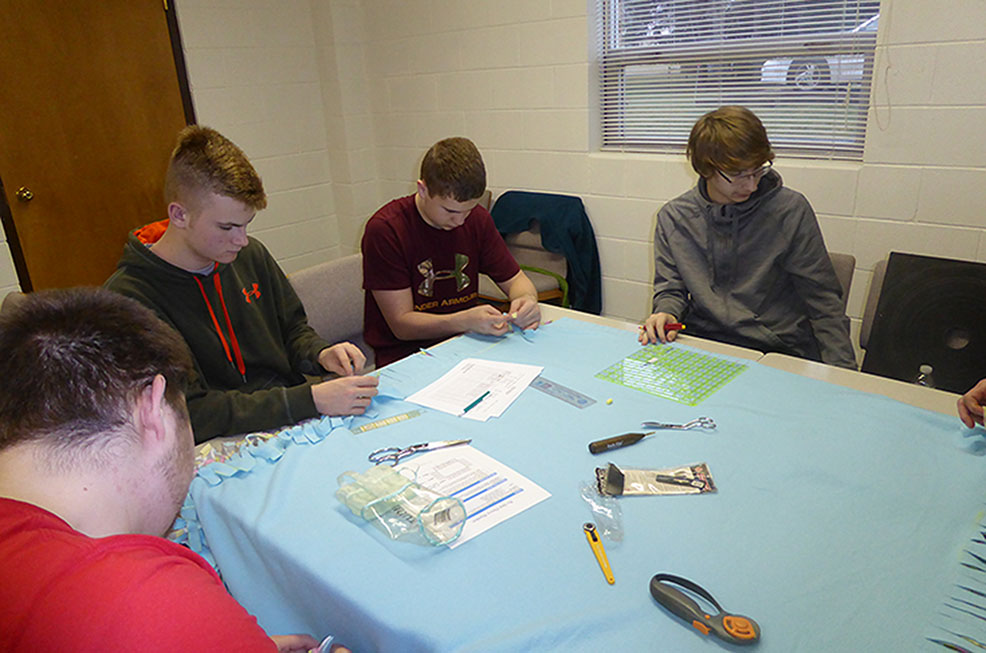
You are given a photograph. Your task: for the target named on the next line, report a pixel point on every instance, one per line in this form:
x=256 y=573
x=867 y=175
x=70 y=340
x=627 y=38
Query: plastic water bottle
x=924 y=376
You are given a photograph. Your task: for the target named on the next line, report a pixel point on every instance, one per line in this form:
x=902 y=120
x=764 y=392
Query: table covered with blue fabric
x=838 y=524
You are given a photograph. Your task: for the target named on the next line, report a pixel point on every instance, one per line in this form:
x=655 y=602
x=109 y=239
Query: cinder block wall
x=336 y=101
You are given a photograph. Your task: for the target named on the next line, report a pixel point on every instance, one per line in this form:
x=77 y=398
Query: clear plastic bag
x=606 y=512
x=400 y=507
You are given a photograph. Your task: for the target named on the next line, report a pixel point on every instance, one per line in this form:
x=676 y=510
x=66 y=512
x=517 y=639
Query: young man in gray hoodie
x=740 y=258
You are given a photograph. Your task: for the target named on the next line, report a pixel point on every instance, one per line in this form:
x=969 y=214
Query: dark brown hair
x=730 y=139
x=206 y=161
x=454 y=168
x=74 y=362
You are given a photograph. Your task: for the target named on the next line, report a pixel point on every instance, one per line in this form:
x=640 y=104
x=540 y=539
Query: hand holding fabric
x=525 y=313
x=347 y=395
x=970 y=405
x=485 y=319
x=344 y=359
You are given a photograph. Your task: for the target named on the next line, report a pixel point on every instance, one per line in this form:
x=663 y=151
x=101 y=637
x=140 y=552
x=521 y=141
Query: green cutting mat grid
x=678 y=374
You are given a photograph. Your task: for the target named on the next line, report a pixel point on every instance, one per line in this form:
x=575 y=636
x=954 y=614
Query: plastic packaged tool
x=685 y=479
x=732 y=628
x=400 y=507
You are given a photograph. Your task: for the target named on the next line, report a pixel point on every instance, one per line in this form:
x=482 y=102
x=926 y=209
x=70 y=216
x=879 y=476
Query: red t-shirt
x=401 y=250
x=61 y=590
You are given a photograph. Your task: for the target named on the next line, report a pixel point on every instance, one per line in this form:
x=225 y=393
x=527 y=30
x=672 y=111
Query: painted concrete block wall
x=255 y=71
x=337 y=100
x=514 y=77
x=339 y=37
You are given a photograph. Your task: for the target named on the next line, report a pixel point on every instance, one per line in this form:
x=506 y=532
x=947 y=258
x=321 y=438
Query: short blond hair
x=206 y=161
x=731 y=139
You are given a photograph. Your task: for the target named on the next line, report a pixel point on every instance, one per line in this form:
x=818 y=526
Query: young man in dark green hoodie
x=740 y=257
x=227 y=296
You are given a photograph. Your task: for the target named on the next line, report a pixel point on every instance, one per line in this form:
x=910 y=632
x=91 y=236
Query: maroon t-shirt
x=401 y=250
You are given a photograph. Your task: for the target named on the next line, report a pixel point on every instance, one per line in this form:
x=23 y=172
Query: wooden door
x=90 y=104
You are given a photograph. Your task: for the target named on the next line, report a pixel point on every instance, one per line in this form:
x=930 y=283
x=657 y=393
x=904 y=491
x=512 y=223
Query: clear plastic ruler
x=558 y=391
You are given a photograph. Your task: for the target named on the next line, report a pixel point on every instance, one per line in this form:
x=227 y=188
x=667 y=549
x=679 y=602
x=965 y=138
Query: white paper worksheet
x=477 y=389
x=491 y=492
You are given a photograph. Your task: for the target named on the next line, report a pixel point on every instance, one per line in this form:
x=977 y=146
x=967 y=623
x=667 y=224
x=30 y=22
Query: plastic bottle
x=924 y=376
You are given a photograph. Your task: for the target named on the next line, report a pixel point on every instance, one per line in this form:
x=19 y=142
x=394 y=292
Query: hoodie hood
x=151 y=233
x=138 y=259
x=725 y=221
x=726 y=216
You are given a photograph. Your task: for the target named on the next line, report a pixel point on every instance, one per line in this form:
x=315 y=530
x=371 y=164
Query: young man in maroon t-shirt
x=422 y=255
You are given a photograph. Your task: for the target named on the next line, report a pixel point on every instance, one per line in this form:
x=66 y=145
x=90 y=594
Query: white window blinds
x=803 y=66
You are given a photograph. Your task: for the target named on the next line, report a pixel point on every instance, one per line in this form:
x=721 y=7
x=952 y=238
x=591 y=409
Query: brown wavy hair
x=730 y=139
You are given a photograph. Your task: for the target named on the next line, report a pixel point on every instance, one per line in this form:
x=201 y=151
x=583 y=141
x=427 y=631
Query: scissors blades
x=700 y=422
x=438 y=444
x=393 y=455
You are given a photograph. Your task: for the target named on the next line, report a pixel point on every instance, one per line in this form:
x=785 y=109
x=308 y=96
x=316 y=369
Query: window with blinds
x=803 y=66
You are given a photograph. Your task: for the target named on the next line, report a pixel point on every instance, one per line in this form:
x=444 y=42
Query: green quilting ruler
x=672 y=372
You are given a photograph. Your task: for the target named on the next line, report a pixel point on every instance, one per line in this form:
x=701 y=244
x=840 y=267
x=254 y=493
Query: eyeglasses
x=756 y=175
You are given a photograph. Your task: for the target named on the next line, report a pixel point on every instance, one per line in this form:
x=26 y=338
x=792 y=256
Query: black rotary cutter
x=732 y=628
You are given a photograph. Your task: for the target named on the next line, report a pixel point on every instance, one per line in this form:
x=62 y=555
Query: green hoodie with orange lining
x=246 y=328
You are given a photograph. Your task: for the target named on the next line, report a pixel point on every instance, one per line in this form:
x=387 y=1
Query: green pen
x=475 y=402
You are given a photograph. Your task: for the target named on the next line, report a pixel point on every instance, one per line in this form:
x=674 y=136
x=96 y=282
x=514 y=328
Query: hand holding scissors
x=393 y=455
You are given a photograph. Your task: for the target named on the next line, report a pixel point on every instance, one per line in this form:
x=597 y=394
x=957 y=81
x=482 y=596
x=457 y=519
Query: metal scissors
x=393 y=455
x=701 y=422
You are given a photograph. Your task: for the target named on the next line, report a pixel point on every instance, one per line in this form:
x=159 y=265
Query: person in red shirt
x=422 y=255
x=96 y=455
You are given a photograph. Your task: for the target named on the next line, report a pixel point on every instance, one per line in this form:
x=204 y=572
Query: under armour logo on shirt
x=255 y=293
x=426 y=268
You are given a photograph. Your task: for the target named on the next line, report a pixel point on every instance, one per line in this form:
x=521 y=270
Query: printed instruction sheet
x=491 y=492
x=477 y=389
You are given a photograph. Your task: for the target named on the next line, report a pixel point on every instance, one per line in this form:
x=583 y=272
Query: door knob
x=24 y=194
